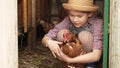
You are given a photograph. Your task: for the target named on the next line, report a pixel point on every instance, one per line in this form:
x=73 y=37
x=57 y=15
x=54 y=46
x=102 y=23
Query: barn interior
x=31 y=16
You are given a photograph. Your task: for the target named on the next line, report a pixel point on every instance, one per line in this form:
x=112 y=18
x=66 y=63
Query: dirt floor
x=38 y=57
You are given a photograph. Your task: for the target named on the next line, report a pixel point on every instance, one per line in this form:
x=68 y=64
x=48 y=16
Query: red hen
x=72 y=47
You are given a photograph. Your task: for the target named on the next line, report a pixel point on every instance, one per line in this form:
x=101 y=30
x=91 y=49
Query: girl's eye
x=71 y=15
x=79 y=16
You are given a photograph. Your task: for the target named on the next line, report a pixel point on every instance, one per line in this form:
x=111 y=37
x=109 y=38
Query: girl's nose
x=75 y=18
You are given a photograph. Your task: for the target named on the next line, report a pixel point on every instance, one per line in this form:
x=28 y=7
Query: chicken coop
x=25 y=22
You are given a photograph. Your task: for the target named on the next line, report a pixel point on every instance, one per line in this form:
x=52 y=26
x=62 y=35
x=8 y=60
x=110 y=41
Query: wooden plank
x=114 y=55
x=110 y=33
x=25 y=15
x=8 y=34
x=29 y=15
x=38 y=11
x=20 y=13
x=54 y=9
x=41 y=8
x=31 y=23
x=34 y=22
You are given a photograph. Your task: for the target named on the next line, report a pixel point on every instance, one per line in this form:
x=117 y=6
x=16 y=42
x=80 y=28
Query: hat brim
x=80 y=8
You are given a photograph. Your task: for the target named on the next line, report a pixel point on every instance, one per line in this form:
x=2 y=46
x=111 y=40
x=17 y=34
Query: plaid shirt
x=93 y=25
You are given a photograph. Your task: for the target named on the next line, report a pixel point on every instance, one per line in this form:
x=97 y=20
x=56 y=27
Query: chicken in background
x=72 y=47
x=55 y=20
x=46 y=26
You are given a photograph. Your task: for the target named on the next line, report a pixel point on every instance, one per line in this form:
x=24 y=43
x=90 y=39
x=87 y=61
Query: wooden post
x=25 y=15
x=54 y=9
x=114 y=48
x=34 y=22
x=29 y=15
x=31 y=23
x=8 y=34
x=38 y=11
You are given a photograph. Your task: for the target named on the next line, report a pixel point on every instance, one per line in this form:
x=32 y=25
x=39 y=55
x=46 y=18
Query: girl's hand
x=54 y=47
x=64 y=57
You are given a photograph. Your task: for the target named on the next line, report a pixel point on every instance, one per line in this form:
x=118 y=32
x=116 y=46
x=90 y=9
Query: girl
x=82 y=22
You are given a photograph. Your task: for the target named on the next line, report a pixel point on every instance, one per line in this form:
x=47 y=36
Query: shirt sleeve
x=62 y=25
x=98 y=34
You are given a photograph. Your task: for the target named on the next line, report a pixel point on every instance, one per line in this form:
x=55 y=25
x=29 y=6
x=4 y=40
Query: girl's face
x=79 y=18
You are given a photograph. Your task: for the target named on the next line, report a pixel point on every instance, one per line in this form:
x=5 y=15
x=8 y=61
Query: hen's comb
x=64 y=35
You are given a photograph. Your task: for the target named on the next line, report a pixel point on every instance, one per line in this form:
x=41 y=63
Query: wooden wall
x=114 y=47
x=8 y=34
x=29 y=14
x=42 y=10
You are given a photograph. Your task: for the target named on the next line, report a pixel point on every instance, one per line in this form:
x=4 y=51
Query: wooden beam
x=114 y=48
x=8 y=34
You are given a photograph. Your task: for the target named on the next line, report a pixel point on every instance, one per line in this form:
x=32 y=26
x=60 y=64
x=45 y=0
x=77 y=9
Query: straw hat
x=80 y=5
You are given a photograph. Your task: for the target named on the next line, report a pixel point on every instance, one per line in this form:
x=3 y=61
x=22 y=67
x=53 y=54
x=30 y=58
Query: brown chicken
x=72 y=47
x=46 y=26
